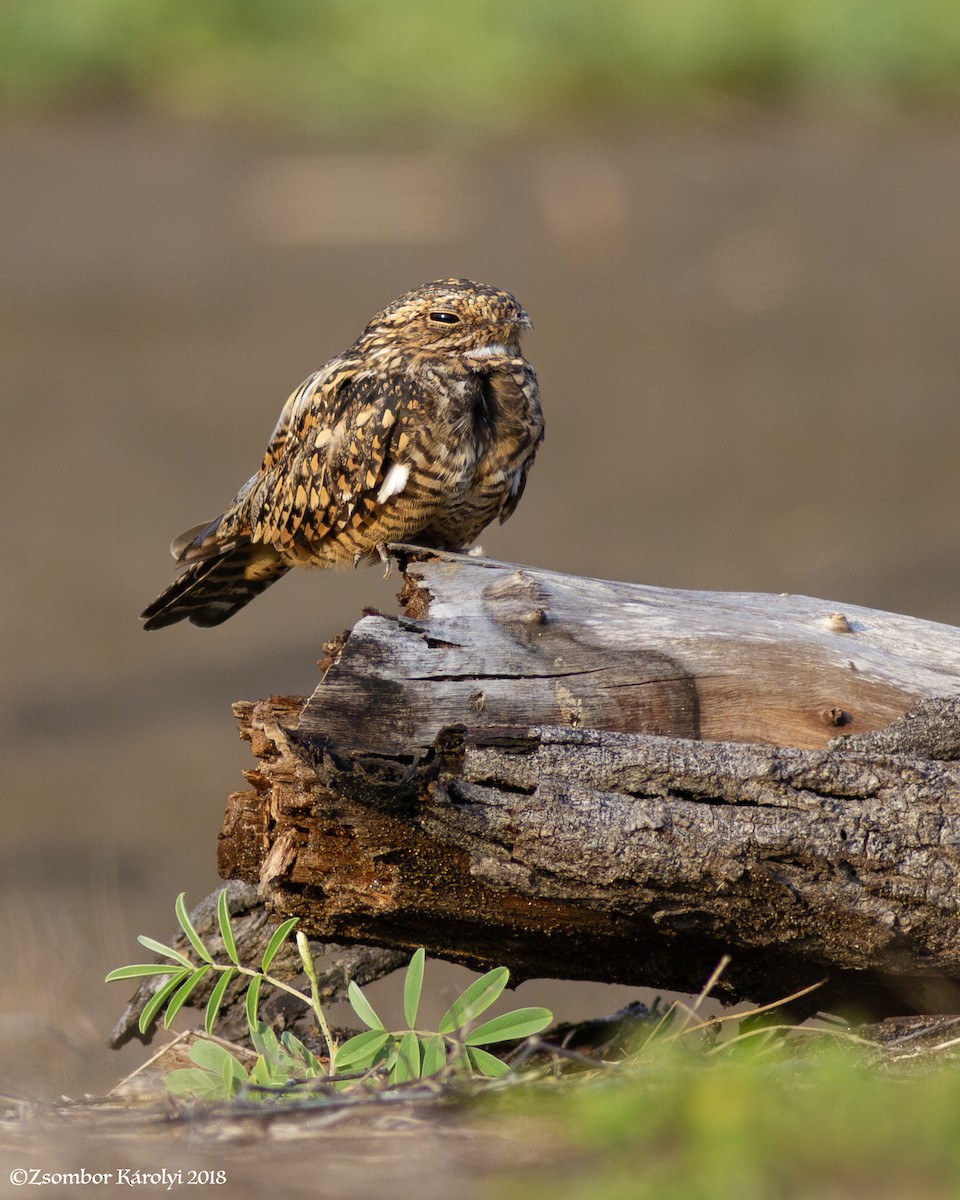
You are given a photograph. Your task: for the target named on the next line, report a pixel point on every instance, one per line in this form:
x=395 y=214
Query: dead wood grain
x=581 y=779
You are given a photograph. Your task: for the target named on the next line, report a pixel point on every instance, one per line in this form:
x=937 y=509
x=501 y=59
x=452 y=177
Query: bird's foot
x=385 y=558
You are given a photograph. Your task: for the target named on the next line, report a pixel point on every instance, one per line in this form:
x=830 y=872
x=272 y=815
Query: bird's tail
x=212 y=590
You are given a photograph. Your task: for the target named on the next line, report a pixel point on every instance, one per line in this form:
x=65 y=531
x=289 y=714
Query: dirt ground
x=747 y=345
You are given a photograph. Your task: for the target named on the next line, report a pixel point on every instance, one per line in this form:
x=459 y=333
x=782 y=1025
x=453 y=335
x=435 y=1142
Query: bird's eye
x=445 y=318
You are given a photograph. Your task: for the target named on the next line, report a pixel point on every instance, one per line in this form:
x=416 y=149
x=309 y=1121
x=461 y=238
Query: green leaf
x=253 y=1002
x=361 y=1051
x=193 y=1081
x=459 y=1062
x=273 y=1074
x=276 y=1066
x=266 y=1044
x=300 y=1054
x=257 y=1029
x=279 y=937
x=166 y=951
x=434 y=1055
x=182 y=995
x=476 y=999
x=140 y=970
x=412 y=987
x=234 y=1074
x=159 y=999
x=209 y=1054
x=180 y=908
x=363 y=1008
x=293 y=1046
x=486 y=1064
x=520 y=1023
x=226 y=929
x=216 y=999
x=262 y=1074
x=270 y=1040
x=408 y=1059
x=217 y=1075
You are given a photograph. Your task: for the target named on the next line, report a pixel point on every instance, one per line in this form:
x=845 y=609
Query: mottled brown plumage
x=423 y=431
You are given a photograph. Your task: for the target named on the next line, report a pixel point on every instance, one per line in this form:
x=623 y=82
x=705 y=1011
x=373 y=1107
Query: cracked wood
x=584 y=779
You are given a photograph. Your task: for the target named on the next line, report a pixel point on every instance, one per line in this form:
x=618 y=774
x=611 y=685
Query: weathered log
x=582 y=779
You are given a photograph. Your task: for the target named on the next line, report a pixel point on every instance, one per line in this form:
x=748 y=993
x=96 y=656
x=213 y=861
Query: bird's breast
x=466 y=414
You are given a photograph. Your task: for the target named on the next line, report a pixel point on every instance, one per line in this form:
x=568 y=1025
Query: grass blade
x=226 y=929
x=413 y=986
x=187 y=926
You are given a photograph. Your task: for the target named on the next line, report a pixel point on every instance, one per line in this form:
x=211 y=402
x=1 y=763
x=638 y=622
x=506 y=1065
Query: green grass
x=370 y=67
x=686 y=1127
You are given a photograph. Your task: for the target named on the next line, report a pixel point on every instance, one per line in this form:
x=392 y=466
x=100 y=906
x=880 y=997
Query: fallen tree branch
x=589 y=780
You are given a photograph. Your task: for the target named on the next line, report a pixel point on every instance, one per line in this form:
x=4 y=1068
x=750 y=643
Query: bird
x=422 y=432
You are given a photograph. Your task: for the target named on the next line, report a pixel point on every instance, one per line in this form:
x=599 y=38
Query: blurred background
x=735 y=223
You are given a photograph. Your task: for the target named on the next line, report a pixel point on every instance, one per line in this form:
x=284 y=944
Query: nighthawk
x=422 y=431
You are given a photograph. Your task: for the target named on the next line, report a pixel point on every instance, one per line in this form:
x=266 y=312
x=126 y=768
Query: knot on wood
x=520 y=599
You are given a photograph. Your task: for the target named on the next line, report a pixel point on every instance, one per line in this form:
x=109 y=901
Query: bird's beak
x=524 y=321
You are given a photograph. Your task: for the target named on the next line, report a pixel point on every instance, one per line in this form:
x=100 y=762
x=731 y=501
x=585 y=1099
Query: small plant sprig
x=456 y=1045
x=185 y=975
x=455 y=1048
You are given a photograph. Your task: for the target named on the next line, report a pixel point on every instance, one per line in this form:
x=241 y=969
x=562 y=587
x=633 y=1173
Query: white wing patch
x=394 y=482
x=495 y=349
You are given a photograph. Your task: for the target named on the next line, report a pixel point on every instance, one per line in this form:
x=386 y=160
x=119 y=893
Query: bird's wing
x=232 y=528
x=329 y=468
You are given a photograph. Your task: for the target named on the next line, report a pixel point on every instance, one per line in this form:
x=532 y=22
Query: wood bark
x=582 y=779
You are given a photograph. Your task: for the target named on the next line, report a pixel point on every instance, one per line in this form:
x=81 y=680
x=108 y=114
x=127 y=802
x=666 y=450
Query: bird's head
x=451 y=316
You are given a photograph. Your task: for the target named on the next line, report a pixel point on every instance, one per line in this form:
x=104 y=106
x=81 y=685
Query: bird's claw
x=385 y=559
